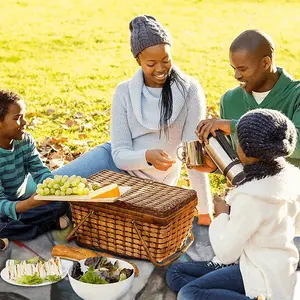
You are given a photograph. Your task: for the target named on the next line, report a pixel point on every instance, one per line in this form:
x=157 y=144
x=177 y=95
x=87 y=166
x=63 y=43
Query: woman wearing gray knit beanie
x=152 y=114
x=254 y=228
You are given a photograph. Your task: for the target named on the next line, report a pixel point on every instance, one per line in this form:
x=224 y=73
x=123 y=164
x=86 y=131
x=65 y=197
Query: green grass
x=70 y=54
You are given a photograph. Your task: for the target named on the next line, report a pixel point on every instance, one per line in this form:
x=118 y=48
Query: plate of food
x=35 y=271
x=76 y=188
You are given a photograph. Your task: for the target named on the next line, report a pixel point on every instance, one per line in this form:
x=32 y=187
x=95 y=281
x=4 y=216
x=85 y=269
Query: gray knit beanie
x=266 y=134
x=146 y=32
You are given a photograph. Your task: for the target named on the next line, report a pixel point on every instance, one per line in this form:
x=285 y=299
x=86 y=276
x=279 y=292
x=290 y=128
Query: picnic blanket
x=149 y=285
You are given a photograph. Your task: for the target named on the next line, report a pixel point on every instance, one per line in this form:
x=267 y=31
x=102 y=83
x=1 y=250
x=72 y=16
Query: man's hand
x=220 y=206
x=208 y=164
x=205 y=127
x=159 y=159
x=30 y=203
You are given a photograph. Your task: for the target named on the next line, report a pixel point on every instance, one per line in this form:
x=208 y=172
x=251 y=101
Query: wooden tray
x=86 y=198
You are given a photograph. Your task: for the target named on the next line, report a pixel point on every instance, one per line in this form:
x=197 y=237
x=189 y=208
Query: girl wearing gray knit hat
x=254 y=229
x=152 y=114
x=252 y=234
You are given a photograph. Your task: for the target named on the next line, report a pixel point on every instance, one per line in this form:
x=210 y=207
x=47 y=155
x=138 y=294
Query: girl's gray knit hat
x=266 y=134
x=146 y=31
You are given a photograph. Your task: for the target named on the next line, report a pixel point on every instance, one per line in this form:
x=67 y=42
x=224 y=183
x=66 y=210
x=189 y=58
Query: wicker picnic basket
x=151 y=221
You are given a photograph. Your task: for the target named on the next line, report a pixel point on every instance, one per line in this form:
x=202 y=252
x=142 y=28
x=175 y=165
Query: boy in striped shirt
x=22 y=217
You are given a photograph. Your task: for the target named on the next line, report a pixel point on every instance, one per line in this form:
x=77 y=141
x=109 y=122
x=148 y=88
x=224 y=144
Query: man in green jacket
x=262 y=85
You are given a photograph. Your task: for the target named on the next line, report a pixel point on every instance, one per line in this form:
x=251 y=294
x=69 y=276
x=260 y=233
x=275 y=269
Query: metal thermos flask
x=225 y=158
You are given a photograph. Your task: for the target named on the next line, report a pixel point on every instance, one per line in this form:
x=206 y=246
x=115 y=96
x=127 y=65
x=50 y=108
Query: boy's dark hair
x=6 y=99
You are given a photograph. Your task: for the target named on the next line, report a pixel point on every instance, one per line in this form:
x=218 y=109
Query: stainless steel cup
x=193 y=153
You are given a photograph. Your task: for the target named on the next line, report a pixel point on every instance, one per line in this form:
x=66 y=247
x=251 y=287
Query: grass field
x=68 y=55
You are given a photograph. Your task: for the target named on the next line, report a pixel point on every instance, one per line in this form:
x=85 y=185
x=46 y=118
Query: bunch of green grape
x=65 y=186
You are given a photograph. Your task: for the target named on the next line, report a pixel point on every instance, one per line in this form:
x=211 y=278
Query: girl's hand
x=220 y=206
x=159 y=159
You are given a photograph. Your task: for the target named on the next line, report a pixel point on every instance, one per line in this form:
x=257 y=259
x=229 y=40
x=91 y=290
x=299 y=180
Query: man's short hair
x=253 y=41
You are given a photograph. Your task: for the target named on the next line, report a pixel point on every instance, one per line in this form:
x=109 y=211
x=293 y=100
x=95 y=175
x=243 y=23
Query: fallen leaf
x=69 y=123
x=50 y=111
x=78 y=115
x=56 y=147
x=88 y=125
x=59 y=140
x=104 y=113
x=46 y=142
x=79 y=143
x=55 y=153
x=96 y=113
x=83 y=136
x=78 y=121
x=56 y=163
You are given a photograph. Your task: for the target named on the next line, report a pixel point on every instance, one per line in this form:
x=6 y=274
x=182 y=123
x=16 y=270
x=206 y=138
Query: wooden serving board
x=85 y=198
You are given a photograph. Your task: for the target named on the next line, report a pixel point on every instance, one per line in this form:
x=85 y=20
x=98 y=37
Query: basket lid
x=146 y=196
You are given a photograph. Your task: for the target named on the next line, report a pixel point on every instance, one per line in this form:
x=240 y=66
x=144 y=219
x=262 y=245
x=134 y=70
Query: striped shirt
x=15 y=165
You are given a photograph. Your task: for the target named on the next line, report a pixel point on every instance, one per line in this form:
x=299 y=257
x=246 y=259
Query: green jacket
x=284 y=96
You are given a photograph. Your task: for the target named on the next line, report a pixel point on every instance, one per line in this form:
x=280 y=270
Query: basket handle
x=171 y=258
x=71 y=234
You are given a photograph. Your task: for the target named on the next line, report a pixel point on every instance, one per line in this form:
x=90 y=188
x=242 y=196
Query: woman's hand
x=205 y=127
x=159 y=159
x=220 y=206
